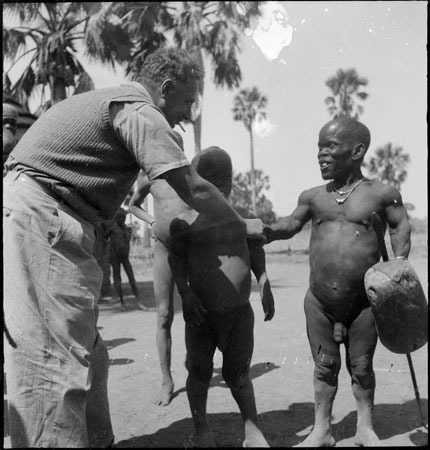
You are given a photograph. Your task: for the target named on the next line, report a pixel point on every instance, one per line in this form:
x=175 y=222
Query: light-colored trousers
x=57 y=375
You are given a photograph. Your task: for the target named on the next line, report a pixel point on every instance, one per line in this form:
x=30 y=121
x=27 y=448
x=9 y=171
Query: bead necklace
x=341 y=201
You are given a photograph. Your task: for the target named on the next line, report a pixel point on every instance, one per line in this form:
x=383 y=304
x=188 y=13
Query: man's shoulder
x=377 y=185
x=383 y=189
x=385 y=192
x=311 y=192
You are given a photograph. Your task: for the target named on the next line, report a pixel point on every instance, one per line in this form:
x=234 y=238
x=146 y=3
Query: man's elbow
x=402 y=229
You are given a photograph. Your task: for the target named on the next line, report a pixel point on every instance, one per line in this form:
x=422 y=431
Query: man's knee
x=236 y=376
x=327 y=369
x=165 y=317
x=200 y=371
x=362 y=372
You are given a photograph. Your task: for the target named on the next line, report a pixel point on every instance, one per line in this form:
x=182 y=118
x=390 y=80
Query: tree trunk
x=197 y=127
x=58 y=89
x=253 y=188
x=197 y=121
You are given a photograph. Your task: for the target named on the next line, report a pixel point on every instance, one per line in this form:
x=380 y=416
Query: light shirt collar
x=137 y=85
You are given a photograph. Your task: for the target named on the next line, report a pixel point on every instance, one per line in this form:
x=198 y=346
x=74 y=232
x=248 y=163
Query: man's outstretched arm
x=204 y=197
x=287 y=227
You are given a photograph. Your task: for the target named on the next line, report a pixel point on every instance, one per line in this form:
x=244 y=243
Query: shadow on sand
x=146 y=294
x=281 y=427
x=218 y=381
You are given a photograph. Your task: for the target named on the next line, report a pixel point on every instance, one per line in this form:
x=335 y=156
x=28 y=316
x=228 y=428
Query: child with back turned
x=212 y=264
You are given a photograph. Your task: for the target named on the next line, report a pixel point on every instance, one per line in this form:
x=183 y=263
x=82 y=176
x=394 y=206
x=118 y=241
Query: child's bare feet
x=366 y=437
x=256 y=440
x=165 y=394
x=318 y=438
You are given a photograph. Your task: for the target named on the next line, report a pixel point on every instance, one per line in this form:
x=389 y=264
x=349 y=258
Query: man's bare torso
x=343 y=246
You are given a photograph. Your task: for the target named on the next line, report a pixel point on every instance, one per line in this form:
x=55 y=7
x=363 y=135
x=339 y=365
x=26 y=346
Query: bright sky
x=384 y=41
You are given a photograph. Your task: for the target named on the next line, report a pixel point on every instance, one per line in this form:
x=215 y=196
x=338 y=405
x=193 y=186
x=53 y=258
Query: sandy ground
x=281 y=372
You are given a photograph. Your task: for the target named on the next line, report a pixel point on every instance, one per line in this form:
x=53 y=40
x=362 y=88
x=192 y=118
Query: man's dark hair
x=169 y=62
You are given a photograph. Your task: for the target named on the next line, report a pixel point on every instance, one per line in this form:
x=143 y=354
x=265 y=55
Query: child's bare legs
x=360 y=349
x=163 y=291
x=200 y=350
x=235 y=369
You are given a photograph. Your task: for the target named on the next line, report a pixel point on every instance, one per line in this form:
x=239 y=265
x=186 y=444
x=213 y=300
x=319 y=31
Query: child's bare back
x=217 y=259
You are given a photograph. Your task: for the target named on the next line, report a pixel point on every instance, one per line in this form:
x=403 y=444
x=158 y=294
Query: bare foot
x=318 y=438
x=165 y=395
x=255 y=441
x=366 y=437
x=204 y=439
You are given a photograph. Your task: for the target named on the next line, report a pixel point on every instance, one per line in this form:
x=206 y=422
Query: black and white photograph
x=215 y=225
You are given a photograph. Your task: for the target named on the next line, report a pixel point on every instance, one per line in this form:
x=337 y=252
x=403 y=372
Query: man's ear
x=166 y=87
x=358 y=152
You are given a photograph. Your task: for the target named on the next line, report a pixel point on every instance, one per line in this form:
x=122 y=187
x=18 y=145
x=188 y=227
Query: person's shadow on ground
x=282 y=428
x=217 y=380
x=115 y=343
x=146 y=294
x=389 y=420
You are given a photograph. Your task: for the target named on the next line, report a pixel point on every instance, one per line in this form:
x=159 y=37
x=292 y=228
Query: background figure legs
x=163 y=292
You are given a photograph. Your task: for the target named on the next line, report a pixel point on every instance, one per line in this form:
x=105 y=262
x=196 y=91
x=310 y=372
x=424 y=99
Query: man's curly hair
x=169 y=62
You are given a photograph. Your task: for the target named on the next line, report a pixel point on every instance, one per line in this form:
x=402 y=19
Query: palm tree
x=213 y=30
x=246 y=106
x=49 y=33
x=389 y=165
x=347 y=94
x=145 y=23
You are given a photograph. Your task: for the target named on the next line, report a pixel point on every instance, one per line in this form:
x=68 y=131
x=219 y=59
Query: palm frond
x=25 y=82
x=106 y=41
x=84 y=83
x=13 y=42
x=26 y=12
x=143 y=49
